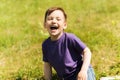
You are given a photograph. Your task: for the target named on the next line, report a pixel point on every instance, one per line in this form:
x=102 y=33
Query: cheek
x=63 y=24
x=48 y=23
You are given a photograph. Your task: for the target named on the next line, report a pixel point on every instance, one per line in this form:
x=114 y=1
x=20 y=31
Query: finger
x=79 y=78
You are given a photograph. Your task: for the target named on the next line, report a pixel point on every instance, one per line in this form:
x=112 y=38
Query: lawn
x=97 y=23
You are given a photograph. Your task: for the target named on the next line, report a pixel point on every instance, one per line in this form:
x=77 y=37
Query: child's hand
x=82 y=75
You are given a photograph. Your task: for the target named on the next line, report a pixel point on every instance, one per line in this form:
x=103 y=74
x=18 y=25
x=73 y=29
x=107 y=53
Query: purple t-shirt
x=65 y=54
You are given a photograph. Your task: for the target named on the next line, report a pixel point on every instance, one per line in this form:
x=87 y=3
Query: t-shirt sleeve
x=77 y=44
x=44 y=53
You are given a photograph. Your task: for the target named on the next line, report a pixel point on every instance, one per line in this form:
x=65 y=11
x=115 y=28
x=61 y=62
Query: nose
x=54 y=21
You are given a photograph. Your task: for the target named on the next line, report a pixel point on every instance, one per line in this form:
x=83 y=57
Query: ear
x=65 y=25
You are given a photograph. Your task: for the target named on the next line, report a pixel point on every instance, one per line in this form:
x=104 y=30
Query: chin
x=53 y=34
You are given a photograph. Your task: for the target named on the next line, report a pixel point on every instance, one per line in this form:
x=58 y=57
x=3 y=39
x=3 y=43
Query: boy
x=66 y=53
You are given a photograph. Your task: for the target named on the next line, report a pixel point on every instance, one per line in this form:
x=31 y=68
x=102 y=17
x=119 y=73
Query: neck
x=56 y=37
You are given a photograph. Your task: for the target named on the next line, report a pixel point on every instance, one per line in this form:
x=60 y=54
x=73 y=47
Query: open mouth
x=53 y=27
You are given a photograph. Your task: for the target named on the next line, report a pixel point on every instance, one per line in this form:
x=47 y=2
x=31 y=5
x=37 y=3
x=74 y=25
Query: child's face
x=55 y=23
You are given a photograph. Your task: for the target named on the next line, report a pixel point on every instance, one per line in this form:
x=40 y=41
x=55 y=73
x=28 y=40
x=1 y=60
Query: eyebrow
x=52 y=17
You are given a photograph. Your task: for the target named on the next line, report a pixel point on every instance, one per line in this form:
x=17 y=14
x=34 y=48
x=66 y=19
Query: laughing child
x=63 y=51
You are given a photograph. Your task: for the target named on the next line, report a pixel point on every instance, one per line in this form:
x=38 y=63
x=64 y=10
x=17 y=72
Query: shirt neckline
x=56 y=41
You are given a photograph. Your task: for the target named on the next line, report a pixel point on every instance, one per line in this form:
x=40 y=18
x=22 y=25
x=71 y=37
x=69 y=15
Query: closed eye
x=49 y=18
x=58 y=19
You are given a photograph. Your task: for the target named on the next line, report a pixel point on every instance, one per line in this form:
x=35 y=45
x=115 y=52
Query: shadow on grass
x=115 y=69
x=55 y=77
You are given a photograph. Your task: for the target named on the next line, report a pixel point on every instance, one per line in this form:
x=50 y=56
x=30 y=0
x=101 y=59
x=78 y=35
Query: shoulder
x=45 y=42
x=70 y=35
x=72 y=38
x=75 y=42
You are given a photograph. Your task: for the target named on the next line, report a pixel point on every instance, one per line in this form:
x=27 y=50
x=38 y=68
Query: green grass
x=95 y=22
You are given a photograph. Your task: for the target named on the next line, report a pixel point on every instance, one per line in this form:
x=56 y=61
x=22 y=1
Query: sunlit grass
x=97 y=23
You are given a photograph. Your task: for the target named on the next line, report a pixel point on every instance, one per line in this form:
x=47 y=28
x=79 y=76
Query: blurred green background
x=96 y=22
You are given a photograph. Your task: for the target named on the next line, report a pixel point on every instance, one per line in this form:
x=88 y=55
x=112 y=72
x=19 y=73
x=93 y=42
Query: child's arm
x=47 y=71
x=86 y=62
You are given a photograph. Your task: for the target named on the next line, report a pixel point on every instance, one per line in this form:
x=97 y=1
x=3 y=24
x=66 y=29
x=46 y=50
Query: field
x=96 y=22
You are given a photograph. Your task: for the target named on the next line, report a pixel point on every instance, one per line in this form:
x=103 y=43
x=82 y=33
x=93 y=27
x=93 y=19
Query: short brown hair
x=50 y=10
